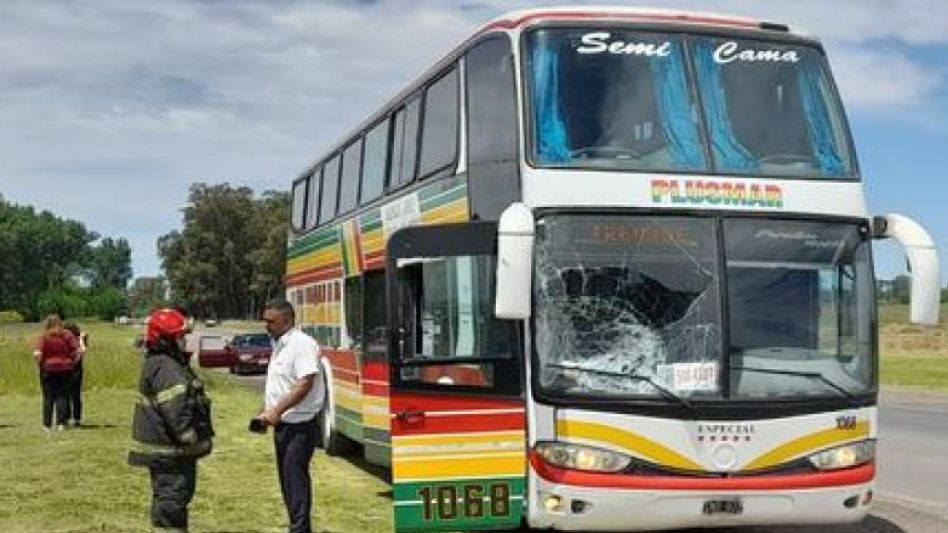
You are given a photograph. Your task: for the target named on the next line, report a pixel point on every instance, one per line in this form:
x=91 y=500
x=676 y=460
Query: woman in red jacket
x=56 y=355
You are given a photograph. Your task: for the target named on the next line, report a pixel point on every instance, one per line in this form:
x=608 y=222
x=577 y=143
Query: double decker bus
x=604 y=269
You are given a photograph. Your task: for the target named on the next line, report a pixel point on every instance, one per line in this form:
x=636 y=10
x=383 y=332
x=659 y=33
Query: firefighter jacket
x=172 y=418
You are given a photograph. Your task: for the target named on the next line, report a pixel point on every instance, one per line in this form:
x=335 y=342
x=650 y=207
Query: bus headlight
x=845 y=456
x=581 y=457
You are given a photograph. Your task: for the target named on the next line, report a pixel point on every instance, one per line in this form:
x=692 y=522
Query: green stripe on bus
x=354 y=416
x=377 y=435
x=459 y=504
x=321 y=239
x=377 y=454
x=444 y=198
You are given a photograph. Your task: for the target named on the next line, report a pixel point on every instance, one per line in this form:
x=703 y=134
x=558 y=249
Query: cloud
x=884 y=81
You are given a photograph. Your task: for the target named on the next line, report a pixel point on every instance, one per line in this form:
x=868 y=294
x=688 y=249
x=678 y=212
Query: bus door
x=457 y=404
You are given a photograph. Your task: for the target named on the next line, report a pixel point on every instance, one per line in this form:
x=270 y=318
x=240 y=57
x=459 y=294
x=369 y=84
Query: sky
x=110 y=109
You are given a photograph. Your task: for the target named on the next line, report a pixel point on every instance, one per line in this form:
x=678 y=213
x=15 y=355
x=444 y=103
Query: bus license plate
x=713 y=507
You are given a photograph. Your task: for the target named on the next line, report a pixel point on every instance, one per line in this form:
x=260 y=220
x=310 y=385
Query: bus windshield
x=631 y=306
x=633 y=100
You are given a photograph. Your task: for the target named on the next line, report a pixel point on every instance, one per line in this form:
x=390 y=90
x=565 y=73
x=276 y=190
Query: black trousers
x=172 y=487
x=55 y=388
x=294 y=450
x=74 y=395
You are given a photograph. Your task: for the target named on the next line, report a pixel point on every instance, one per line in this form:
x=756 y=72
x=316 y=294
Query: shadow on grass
x=7 y=426
x=357 y=460
x=84 y=427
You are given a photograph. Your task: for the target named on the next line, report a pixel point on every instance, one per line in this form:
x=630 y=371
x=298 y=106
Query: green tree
x=41 y=253
x=230 y=254
x=111 y=264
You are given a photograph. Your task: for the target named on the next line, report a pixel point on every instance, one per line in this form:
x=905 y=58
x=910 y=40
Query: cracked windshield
x=627 y=305
x=630 y=306
x=610 y=98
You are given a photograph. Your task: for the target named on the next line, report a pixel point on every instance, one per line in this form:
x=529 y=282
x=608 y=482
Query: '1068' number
x=444 y=501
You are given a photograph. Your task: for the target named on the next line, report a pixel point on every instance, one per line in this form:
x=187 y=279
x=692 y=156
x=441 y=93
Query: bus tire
x=332 y=441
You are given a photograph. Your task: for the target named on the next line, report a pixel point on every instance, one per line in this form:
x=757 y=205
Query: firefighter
x=171 y=428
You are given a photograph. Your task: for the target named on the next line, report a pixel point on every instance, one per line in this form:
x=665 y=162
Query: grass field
x=78 y=480
x=913 y=356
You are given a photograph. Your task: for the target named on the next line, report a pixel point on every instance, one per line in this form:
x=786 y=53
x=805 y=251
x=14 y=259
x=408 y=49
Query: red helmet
x=165 y=323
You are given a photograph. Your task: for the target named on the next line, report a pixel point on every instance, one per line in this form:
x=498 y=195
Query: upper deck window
x=612 y=99
x=608 y=98
x=771 y=109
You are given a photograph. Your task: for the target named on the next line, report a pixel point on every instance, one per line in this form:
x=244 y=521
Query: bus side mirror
x=922 y=257
x=515 y=232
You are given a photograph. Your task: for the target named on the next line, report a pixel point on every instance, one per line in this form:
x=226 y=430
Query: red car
x=214 y=351
x=251 y=353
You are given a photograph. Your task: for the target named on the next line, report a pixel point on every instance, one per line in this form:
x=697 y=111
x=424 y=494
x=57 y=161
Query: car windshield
x=252 y=341
x=613 y=98
x=630 y=306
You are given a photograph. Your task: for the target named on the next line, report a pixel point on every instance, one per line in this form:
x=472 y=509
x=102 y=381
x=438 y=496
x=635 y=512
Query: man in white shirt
x=294 y=394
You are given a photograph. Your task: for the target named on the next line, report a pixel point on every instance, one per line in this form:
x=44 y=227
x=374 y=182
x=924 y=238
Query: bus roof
x=518 y=19
x=515 y=20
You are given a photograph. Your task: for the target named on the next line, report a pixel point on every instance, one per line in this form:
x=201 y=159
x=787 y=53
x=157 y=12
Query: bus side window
x=330 y=192
x=405 y=144
x=300 y=188
x=353 y=310
x=439 y=144
x=351 y=169
x=449 y=321
x=312 y=202
x=375 y=162
x=374 y=316
x=493 y=170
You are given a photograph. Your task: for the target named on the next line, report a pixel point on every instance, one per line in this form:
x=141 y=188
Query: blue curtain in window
x=552 y=143
x=681 y=132
x=817 y=116
x=729 y=153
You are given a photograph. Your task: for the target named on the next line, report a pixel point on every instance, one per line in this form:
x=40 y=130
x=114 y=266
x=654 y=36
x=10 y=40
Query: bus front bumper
x=596 y=508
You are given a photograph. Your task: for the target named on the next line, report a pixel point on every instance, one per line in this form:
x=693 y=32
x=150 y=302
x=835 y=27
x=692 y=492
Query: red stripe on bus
x=839 y=478
x=469 y=423
x=375 y=371
x=450 y=402
x=342 y=358
x=374 y=389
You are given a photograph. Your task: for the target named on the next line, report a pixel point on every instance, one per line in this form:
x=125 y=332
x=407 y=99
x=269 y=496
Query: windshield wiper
x=635 y=377
x=800 y=373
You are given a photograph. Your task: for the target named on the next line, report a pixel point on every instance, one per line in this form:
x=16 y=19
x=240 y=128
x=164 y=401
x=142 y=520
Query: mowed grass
x=79 y=480
x=913 y=356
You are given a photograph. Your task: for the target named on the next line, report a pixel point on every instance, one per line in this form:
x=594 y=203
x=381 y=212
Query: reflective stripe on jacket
x=172 y=418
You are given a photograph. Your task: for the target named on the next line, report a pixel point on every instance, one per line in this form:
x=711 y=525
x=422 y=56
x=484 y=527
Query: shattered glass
x=621 y=301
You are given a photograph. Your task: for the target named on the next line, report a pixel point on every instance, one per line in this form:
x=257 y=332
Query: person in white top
x=294 y=394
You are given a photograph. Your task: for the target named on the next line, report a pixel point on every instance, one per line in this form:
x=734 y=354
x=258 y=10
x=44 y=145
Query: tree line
x=51 y=264
x=230 y=255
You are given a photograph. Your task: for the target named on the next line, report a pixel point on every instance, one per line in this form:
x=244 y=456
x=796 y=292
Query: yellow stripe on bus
x=634 y=443
x=314 y=260
x=454 y=468
x=809 y=444
x=455 y=211
x=437 y=439
x=375 y=421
